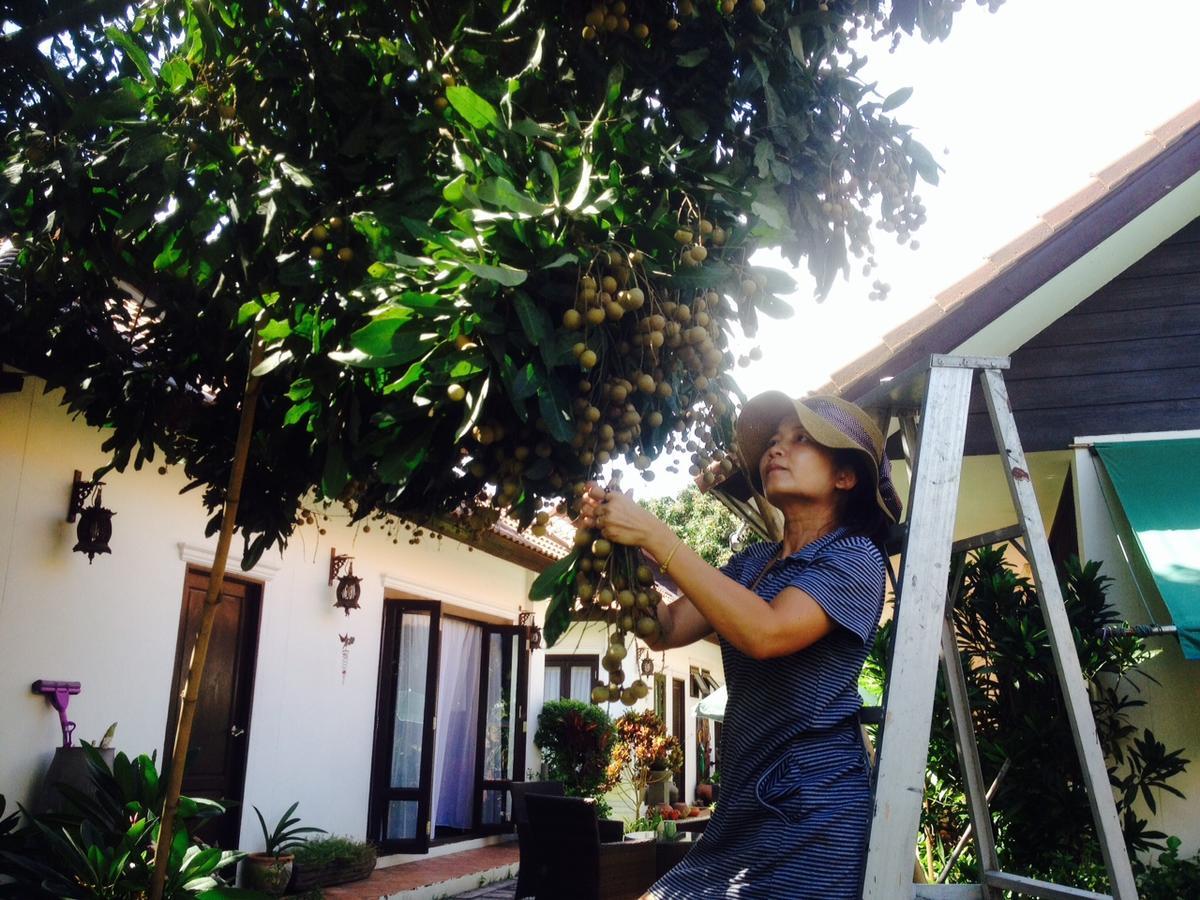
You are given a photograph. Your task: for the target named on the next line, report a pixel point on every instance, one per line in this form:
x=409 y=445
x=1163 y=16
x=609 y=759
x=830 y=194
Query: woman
x=795 y=621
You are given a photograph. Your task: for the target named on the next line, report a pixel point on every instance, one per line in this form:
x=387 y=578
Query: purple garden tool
x=59 y=694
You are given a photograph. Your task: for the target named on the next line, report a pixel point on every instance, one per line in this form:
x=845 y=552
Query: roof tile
x=1118 y=171
x=1075 y=204
x=966 y=286
x=1019 y=246
x=907 y=330
x=1174 y=127
x=868 y=362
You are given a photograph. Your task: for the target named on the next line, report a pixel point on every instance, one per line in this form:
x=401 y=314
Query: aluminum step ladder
x=932 y=402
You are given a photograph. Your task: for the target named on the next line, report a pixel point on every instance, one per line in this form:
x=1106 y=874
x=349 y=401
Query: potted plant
x=322 y=862
x=644 y=756
x=271 y=870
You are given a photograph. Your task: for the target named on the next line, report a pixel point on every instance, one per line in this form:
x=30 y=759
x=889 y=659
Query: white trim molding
x=205 y=556
x=425 y=592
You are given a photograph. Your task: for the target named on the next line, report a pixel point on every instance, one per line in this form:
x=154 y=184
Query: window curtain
x=494 y=743
x=409 y=732
x=581 y=683
x=457 y=723
x=410 y=700
x=551 y=683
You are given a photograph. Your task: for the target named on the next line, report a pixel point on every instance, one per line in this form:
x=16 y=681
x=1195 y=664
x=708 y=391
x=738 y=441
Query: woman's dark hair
x=860 y=510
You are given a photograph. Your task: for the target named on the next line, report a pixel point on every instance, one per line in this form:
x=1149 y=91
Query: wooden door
x=398 y=813
x=216 y=763
x=678 y=728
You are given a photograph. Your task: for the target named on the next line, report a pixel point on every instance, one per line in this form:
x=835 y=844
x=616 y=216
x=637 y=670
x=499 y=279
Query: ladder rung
x=1040 y=888
x=986 y=539
x=947 y=892
x=871 y=715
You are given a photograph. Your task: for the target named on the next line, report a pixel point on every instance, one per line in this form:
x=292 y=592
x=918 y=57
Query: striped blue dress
x=795 y=800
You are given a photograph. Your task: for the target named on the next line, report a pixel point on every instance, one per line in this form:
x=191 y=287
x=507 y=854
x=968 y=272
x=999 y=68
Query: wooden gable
x=1126 y=359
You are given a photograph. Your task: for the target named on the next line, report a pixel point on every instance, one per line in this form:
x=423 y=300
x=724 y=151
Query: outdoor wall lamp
x=95 y=522
x=646 y=665
x=349 y=586
x=532 y=632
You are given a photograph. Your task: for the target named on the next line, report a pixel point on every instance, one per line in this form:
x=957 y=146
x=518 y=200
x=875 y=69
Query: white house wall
x=1170 y=710
x=113 y=625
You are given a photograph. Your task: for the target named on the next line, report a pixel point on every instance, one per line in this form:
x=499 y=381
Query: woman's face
x=795 y=467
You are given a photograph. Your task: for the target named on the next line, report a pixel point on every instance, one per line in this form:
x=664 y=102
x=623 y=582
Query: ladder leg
x=1066 y=659
x=900 y=776
x=968 y=755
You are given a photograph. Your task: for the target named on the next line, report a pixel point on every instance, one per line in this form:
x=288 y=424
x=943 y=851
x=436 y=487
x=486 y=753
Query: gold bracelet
x=666 y=562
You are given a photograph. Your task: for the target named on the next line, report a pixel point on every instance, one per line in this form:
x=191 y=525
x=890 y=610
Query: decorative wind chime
x=346 y=640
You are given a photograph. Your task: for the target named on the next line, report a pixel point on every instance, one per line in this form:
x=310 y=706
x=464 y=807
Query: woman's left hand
x=620 y=519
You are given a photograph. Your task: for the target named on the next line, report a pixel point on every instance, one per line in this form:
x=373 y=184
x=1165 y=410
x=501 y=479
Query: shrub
x=330 y=850
x=1173 y=877
x=103 y=846
x=576 y=742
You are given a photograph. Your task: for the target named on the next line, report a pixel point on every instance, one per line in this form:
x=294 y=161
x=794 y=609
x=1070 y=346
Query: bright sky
x=1020 y=108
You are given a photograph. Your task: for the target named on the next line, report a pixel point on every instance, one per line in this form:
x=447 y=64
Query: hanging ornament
x=346 y=640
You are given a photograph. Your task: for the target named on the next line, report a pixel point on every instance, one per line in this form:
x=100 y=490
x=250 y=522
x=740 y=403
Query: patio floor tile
x=451 y=875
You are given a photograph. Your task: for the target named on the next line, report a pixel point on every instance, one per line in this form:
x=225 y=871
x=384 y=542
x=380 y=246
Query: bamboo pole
x=195 y=674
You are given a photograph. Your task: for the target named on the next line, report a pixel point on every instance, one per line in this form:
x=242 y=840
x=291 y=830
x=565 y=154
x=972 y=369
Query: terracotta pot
x=267 y=873
x=704 y=792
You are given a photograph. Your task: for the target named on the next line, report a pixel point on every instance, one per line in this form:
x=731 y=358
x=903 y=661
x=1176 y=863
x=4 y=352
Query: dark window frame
x=565 y=662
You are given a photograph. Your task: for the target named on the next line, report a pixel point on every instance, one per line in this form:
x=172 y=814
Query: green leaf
x=613 y=86
x=923 y=162
x=336 y=475
x=558 y=614
x=764 y=155
x=505 y=275
x=249 y=310
x=176 y=73
x=534 y=321
x=455 y=190
x=691 y=123
x=772 y=305
x=544 y=585
x=501 y=192
x=135 y=53
x=275 y=330
x=556 y=419
x=565 y=260
x=271 y=363
x=896 y=98
x=223 y=12
x=692 y=59
x=295 y=175
x=377 y=338
x=476 y=400
x=468 y=104
x=796 y=40
x=169 y=254
x=465 y=368
x=581 y=189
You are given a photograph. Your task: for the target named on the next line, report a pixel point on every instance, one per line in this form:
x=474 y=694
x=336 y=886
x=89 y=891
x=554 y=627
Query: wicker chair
x=529 y=864
x=572 y=863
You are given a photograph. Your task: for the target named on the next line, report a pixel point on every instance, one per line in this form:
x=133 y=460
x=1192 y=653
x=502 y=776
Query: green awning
x=1158 y=484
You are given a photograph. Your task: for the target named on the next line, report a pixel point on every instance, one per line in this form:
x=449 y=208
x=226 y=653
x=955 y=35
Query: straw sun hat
x=832 y=422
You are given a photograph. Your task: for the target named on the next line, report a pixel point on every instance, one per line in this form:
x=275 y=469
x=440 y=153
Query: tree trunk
x=191 y=688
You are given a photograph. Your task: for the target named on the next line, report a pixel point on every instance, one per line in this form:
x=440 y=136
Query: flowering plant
x=644 y=753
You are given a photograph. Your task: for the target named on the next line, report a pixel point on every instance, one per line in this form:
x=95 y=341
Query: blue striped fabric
x=795 y=800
